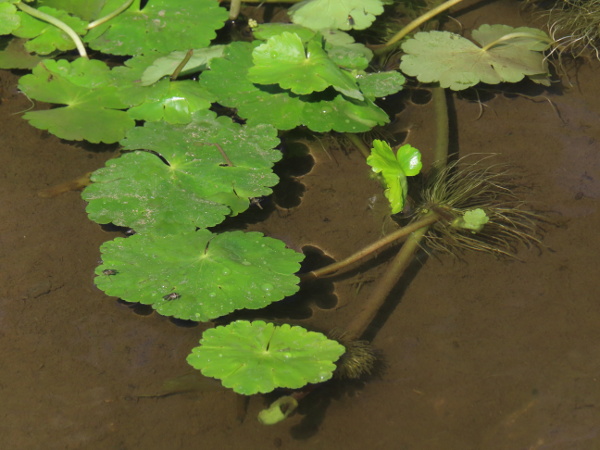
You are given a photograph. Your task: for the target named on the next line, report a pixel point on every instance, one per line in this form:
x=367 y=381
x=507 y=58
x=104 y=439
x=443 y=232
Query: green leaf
x=198 y=275
x=283 y=60
x=9 y=18
x=266 y=31
x=14 y=56
x=45 y=38
x=86 y=10
x=93 y=103
x=381 y=84
x=258 y=357
x=166 y=65
x=457 y=63
x=395 y=169
x=193 y=176
x=228 y=80
x=346 y=53
x=340 y=14
x=173 y=102
x=472 y=220
x=162 y=26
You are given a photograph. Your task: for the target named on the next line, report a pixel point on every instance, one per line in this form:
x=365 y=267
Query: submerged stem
x=366 y=251
x=57 y=23
x=421 y=20
x=385 y=284
x=359 y=144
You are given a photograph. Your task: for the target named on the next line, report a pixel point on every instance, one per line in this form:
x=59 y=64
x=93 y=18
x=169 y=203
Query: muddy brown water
x=480 y=353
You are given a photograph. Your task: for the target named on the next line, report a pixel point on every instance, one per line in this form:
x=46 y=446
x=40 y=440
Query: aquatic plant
x=184 y=168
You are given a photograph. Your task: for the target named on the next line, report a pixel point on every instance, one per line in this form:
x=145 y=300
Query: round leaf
x=198 y=275
x=162 y=26
x=258 y=357
x=196 y=175
x=340 y=14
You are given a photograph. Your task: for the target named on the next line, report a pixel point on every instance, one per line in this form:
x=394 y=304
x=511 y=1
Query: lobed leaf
x=457 y=63
x=161 y=26
x=43 y=37
x=9 y=18
x=258 y=357
x=92 y=102
x=340 y=14
x=394 y=169
x=198 y=275
x=284 y=60
x=193 y=176
x=282 y=108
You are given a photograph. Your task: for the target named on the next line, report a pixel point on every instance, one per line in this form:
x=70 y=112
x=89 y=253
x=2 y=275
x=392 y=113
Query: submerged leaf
x=258 y=357
x=457 y=63
x=198 y=275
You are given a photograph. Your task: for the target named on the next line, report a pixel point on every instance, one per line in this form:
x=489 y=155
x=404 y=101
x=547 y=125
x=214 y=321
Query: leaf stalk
x=57 y=23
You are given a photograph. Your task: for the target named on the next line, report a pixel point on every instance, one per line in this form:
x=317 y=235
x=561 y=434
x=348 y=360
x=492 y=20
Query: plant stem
x=508 y=37
x=442 y=128
x=234 y=9
x=395 y=236
x=358 y=143
x=421 y=20
x=182 y=64
x=57 y=23
x=396 y=268
x=385 y=284
x=106 y=18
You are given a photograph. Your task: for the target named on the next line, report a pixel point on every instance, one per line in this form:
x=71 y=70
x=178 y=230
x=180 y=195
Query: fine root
x=461 y=187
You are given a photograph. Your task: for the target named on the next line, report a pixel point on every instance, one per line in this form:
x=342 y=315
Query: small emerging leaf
x=395 y=169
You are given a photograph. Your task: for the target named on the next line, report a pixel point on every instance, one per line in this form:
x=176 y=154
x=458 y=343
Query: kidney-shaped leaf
x=93 y=105
x=198 y=275
x=508 y=55
x=196 y=175
x=258 y=357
